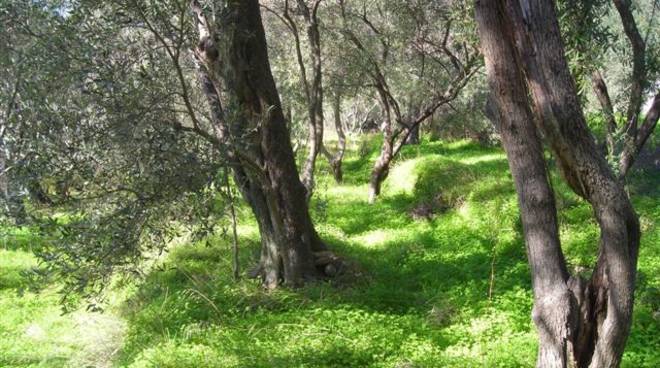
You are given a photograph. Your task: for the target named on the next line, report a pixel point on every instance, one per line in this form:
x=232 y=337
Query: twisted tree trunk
x=581 y=323
x=253 y=134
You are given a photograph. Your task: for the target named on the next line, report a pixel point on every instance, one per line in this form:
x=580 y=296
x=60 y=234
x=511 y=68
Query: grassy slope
x=419 y=296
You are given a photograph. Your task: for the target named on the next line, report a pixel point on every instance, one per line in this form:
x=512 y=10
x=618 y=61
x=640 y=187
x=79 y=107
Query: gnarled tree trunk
x=581 y=323
x=252 y=132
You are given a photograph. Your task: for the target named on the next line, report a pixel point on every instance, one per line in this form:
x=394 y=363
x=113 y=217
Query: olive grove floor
x=451 y=289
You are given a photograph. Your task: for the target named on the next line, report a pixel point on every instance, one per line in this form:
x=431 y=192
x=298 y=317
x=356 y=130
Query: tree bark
x=336 y=160
x=254 y=135
x=636 y=143
x=413 y=137
x=525 y=154
x=600 y=89
x=313 y=88
x=639 y=58
x=381 y=168
x=581 y=323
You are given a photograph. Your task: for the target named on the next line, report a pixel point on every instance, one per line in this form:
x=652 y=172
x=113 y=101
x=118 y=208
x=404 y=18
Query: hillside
x=437 y=277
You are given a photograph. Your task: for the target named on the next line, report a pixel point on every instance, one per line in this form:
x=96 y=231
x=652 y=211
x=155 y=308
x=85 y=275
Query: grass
x=449 y=291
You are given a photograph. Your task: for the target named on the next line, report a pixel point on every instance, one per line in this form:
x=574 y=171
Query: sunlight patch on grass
x=35 y=333
x=482 y=158
x=348 y=193
x=421 y=297
x=173 y=354
x=377 y=238
x=403 y=177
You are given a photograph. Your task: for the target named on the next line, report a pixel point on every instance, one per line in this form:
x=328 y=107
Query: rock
x=324 y=258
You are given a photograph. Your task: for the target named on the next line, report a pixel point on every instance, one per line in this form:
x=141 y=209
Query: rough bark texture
x=254 y=135
x=525 y=154
x=581 y=323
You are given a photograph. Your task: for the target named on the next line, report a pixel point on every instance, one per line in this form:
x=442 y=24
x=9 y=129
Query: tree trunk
x=600 y=89
x=639 y=58
x=313 y=90
x=413 y=137
x=580 y=323
x=337 y=159
x=491 y=112
x=635 y=143
x=525 y=154
x=381 y=170
x=382 y=166
x=610 y=291
x=256 y=140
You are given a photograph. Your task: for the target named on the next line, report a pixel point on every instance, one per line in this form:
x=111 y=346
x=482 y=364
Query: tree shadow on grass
x=413 y=271
x=402 y=284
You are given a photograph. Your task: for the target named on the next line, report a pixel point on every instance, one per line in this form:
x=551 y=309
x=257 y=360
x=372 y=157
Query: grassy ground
x=449 y=291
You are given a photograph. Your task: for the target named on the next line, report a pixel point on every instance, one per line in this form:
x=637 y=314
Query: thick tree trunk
x=553 y=89
x=581 y=323
x=552 y=302
x=254 y=135
x=491 y=111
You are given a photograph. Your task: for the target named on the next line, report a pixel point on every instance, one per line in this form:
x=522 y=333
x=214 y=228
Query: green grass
x=450 y=291
x=33 y=330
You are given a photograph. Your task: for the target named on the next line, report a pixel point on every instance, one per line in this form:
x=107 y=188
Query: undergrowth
x=449 y=290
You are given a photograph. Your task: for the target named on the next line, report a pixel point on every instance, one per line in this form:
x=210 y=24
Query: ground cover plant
x=448 y=289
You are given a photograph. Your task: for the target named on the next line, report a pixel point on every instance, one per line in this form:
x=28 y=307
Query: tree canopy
x=131 y=125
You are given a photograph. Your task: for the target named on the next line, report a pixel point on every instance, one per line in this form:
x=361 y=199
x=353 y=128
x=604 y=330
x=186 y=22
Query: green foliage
x=421 y=297
x=103 y=132
x=419 y=294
